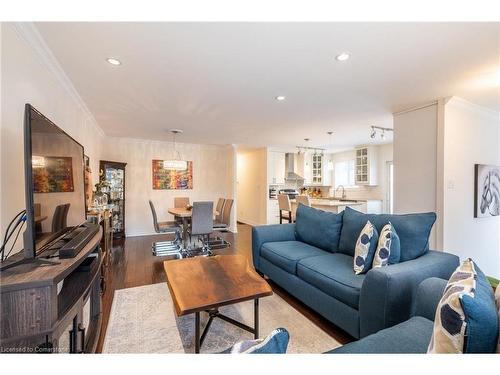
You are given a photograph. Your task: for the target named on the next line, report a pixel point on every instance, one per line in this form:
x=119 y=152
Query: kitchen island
x=332 y=205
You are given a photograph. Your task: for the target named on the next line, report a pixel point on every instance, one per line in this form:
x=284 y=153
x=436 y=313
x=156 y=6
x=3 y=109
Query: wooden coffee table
x=207 y=283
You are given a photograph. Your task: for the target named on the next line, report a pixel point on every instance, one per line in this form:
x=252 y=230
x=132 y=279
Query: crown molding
x=464 y=103
x=28 y=32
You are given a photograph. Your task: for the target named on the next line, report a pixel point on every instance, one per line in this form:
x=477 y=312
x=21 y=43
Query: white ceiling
x=217 y=81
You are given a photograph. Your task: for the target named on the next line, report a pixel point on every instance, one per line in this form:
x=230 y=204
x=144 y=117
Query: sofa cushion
x=413 y=231
x=318 y=228
x=365 y=249
x=410 y=336
x=333 y=274
x=466 y=317
x=286 y=254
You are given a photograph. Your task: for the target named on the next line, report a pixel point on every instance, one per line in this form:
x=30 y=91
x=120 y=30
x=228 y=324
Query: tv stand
x=54 y=308
x=19 y=262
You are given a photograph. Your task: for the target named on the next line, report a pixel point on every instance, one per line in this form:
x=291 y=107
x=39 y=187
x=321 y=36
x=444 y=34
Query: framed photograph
x=53 y=174
x=172 y=179
x=486 y=190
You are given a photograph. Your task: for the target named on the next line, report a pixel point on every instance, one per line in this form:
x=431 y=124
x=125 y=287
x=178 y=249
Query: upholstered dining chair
x=219 y=208
x=181 y=202
x=285 y=208
x=60 y=218
x=202 y=220
x=223 y=224
x=304 y=199
x=168 y=227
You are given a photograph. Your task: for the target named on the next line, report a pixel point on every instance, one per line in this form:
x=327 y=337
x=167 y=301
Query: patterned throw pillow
x=275 y=343
x=497 y=300
x=365 y=248
x=388 y=248
x=466 y=316
x=381 y=257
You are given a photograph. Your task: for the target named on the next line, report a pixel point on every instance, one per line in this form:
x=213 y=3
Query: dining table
x=185 y=213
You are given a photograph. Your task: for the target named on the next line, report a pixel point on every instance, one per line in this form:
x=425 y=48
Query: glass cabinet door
x=114 y=174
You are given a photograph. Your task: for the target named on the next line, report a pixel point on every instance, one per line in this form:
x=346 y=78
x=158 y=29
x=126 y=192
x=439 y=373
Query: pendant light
x=330 y=161
x=175 y=164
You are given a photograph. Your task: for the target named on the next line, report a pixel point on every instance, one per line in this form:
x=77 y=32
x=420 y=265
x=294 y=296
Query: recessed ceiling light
x=280 y=98
x=343 y=56
x=113 y=61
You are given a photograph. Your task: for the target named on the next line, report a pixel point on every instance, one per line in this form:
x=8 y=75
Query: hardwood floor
x=133 y=264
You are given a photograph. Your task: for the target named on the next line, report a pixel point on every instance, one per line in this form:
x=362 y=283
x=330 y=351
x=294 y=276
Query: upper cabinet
x=366 y=166
x=276 y=167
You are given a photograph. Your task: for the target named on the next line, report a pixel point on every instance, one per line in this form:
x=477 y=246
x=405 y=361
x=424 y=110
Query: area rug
x=143 y=320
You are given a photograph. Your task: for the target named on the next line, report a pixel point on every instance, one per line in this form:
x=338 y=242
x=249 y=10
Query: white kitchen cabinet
x=366 y=166
x=276 y=167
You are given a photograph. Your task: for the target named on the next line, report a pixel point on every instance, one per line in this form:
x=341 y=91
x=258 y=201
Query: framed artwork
x=172 y=179
x=53 y=174
x=486 y=190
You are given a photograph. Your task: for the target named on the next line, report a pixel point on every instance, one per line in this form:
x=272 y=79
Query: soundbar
x=85 y=232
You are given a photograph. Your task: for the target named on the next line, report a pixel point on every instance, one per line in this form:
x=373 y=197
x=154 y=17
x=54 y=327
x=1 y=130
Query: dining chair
x=161 y=248
x=304 y=199
x=222 y=225
x=181 y=202
x=285 y=207
x=60 y=218
x=202 y=220
x=219 y=208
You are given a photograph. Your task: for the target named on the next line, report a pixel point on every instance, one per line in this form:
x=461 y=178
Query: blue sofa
x=410 y=336
x=312 y=259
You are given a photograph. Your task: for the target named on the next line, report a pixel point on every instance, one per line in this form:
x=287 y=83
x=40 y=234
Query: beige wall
x=472 y=136
x=28 y=77
x=213 y=177
x=415 y=162
x=252 y=186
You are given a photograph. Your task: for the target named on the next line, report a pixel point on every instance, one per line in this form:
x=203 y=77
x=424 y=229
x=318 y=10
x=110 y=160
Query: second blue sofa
x=313 y=260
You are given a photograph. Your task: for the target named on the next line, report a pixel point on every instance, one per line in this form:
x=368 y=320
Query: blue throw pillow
x=318 y=228
x=365 y=249
x=413 y=231
x=466 y=316
x=275 y=343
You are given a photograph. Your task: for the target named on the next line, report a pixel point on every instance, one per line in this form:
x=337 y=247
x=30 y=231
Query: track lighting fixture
x=382 y=131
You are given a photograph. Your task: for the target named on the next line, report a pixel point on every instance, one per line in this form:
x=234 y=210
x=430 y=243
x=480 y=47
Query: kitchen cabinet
x=366 y=166
x=276 y=167
x=316 y=172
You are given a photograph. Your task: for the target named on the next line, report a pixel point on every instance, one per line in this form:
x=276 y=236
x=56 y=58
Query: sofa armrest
x=428 y=295
x=388 y=292
x=270 y=233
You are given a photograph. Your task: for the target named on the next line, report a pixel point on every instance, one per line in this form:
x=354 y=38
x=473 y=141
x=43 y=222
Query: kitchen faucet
x=343 y=191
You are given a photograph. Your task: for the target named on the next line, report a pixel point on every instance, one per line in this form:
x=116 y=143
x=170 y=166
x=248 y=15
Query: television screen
x=54 y=180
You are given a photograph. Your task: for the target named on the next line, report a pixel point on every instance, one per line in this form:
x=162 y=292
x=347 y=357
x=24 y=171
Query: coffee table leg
x=197 y=332
x=256 y=317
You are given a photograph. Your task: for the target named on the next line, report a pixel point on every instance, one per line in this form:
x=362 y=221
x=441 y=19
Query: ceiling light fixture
x=280 y=98
x=175 y=164
x=343 y=56
x=382 y=130
x=330 y=162
x=113 y=61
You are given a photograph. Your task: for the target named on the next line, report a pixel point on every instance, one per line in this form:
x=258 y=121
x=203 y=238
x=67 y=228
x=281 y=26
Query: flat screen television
x=54 y=179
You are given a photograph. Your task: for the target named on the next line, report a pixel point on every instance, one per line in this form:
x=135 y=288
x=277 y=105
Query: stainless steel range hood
x=291 y=168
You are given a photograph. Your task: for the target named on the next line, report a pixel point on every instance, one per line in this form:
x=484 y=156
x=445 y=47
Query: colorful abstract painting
x=166 y=179
x=53 y=174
